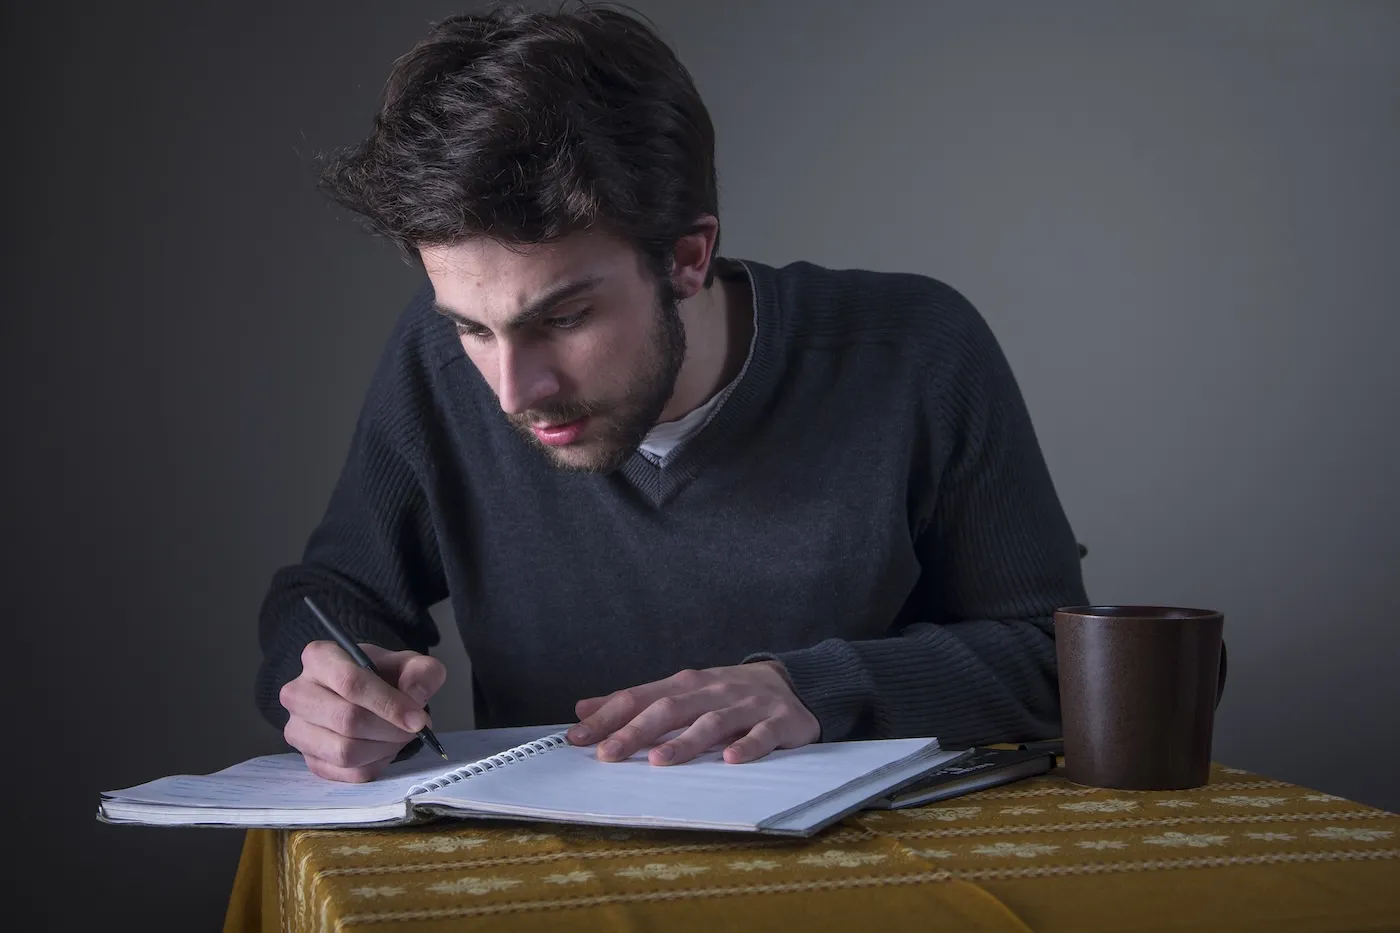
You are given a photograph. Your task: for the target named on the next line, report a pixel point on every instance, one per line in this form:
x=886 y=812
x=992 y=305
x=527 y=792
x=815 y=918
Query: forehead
x=490 y=281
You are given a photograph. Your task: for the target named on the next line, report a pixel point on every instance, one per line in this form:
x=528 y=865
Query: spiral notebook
x=535 y=774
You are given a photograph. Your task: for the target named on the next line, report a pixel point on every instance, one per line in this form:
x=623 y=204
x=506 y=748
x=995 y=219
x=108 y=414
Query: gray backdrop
x=1180 y=219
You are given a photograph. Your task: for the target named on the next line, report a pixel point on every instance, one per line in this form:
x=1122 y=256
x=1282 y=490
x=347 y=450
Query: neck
x=717 y=332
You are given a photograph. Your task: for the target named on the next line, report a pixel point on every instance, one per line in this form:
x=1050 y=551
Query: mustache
x=558 y=413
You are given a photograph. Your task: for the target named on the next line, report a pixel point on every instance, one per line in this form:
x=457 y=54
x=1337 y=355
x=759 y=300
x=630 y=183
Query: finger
x=327 y=664
x=613 y=710
x=416 y=675
x=624 y=705
x=760 y=740
x=663 y=715
x=348 y=775
x=585 y=708
x=321 y=706
x=713 y=726
x=318 y=742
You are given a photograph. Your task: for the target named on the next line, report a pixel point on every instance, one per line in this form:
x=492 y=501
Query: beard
x=617 y=429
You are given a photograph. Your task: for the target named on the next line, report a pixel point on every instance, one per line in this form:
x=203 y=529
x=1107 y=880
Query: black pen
x=363 y=660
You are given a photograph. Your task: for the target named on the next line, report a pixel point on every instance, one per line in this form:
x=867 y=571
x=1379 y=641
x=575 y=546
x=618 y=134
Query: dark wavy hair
x=526 y=126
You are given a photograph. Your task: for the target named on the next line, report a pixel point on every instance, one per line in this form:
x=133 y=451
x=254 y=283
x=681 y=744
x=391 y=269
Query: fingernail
x=419 y=694
x=611 y=748
x=665 y=752
x=415 y=721
x=579 y=733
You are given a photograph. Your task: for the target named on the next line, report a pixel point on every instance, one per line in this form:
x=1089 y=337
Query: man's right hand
x=349 y=724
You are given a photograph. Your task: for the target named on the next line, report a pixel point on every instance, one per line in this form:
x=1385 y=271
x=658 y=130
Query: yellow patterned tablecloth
x=1242 y=854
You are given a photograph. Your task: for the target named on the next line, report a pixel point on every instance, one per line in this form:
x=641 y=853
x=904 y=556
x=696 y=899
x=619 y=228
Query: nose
x=525 y=377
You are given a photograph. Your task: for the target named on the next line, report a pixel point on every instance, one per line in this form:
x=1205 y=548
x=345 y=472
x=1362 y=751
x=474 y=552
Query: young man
x=663 y=490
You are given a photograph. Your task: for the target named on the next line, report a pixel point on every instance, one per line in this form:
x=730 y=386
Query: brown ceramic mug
x=1139 y=686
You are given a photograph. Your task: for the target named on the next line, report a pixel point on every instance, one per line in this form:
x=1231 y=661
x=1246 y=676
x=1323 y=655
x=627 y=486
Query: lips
x=560 y=434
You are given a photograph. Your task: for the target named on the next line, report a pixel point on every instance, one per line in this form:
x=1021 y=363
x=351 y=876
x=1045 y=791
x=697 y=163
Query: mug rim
x=1144 y=612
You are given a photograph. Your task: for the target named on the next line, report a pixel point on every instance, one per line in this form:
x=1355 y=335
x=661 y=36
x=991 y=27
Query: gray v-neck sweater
x=870 y=506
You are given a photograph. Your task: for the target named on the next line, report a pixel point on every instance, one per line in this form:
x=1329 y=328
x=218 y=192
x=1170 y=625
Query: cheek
x=483 y=359
x=620 y=354
x=597 y=363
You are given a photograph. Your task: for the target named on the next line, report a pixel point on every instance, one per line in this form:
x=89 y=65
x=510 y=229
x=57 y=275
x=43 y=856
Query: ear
x=690 y=263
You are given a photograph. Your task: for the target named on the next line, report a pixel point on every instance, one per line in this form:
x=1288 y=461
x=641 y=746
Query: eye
x=474 y=331
x=568 y=321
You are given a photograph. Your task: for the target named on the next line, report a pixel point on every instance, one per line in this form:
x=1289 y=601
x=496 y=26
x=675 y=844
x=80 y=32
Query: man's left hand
x=750 y=706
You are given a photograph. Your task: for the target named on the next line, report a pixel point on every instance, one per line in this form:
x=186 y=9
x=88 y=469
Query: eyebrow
x=537 y=308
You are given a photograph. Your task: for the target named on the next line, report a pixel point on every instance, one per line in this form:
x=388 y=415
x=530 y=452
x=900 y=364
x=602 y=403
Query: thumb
x=419 y=692
x=417 y=675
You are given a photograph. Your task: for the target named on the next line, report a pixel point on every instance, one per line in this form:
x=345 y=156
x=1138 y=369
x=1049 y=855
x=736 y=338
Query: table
x=1243 y=853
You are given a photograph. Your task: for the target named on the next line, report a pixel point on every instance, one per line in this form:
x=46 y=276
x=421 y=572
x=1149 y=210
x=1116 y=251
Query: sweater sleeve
x=974 y=661
x=373 y=562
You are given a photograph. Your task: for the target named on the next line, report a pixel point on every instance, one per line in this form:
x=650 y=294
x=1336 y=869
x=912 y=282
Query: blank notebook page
x=707 y=791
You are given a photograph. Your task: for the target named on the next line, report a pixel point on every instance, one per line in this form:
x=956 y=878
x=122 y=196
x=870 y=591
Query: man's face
x=579 y=342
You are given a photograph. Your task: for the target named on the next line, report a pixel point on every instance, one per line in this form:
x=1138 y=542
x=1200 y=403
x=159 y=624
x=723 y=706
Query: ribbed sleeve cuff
x=830 y=682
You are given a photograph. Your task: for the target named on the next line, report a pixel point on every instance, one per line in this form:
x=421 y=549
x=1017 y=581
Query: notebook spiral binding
x=499 y=760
